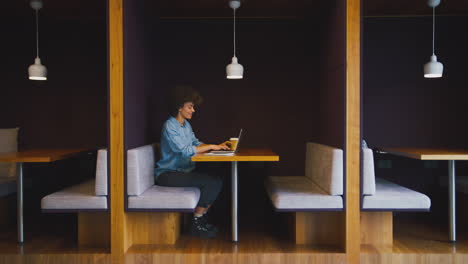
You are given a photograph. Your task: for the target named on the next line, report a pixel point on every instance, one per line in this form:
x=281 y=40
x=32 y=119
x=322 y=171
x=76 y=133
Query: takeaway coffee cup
x=234 y=143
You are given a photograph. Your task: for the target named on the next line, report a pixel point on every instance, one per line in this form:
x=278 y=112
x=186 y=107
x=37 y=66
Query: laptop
x=227 y=152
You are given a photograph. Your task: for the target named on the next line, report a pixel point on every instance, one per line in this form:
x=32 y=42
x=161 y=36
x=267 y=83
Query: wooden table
x=33 y=155
x=438 y=154
x=244 y=155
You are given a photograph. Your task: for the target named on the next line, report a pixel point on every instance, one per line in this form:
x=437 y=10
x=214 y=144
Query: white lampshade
x=37 y=71
x=234 y=70
x=433 y=69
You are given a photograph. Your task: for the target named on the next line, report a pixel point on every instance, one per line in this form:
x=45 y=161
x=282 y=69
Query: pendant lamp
x=37 y=71
x=433 y=69
x=234 y=70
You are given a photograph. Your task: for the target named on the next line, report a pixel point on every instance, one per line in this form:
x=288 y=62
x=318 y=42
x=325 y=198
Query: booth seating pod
x=154 y=212
x=379 y=199
x=89 y=200
x=315 y=199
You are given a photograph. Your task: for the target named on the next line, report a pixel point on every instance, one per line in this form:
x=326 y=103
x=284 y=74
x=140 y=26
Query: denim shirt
x=178 y=145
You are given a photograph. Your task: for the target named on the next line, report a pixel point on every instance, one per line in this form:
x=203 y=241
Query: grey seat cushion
x=80 y=196
x=160 y=197
x=392 y=196
x=300 y=193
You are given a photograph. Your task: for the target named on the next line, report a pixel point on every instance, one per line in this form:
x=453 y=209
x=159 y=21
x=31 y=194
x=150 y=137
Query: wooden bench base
x=377 y=228
x=319 y=228
x=153 y=227
x=94 y=229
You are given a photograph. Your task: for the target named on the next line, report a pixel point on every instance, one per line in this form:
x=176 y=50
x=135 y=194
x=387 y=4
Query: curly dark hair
x=181 y=95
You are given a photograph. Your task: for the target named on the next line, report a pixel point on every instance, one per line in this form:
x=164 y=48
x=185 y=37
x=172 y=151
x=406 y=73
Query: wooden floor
x=253 y=247
x=419 y=241
x=49 y=242
x=416 y=241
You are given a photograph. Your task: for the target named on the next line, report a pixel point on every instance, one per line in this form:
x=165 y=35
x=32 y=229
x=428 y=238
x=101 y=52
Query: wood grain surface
x=242 y=155
x=429 y=153
x=41 y=155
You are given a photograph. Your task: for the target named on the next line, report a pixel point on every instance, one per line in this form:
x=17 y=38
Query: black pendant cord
x=37 y=34
x=234 y=32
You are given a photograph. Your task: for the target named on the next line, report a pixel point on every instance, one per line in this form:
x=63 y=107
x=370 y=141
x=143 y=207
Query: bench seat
x=393 y=197
x=320 y=189
x=78 y=197
x=380 y=198
x=314 y=201
x=299 y=193
x=144 y=195
x=89 y=201
x=166 y=198
x=89 y=195
x=379 y=194
x=155 y=211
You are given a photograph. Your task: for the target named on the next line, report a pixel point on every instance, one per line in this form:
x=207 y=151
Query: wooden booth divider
x=353 y=129
x=123 y=231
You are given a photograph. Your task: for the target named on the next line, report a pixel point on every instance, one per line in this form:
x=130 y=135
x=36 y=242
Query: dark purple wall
x=332 y=74
x=282 y=99
x=139 y=72
x=70 y=108
x=400 y=106
x=292 y=91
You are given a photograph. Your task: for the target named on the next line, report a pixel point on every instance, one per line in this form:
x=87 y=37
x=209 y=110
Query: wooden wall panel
x=377 y=228
x=319 y=228
x=154 y=228
x=94 y=229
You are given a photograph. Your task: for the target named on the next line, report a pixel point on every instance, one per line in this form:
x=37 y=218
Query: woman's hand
x=207 y=147
x=219 y=147
x=227 y=144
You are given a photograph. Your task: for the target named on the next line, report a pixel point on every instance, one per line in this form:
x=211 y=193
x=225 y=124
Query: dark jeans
x=209 y=186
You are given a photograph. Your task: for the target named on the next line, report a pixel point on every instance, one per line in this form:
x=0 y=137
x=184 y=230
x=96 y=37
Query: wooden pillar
x=319 y=228
x=353 y=128
x=116 y=130
x=377 y=228
x=94 y=229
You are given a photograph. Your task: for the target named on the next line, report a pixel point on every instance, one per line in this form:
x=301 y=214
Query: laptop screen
x=238 y=141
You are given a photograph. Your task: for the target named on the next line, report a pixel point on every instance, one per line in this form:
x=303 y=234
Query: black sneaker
x=199 y=229
x=208 y=226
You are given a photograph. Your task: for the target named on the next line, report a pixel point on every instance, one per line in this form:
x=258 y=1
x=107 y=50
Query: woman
x=175 y=168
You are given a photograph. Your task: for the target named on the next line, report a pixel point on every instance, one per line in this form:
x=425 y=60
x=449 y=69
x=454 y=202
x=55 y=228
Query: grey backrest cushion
x=324 y=166
x=140 y=169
